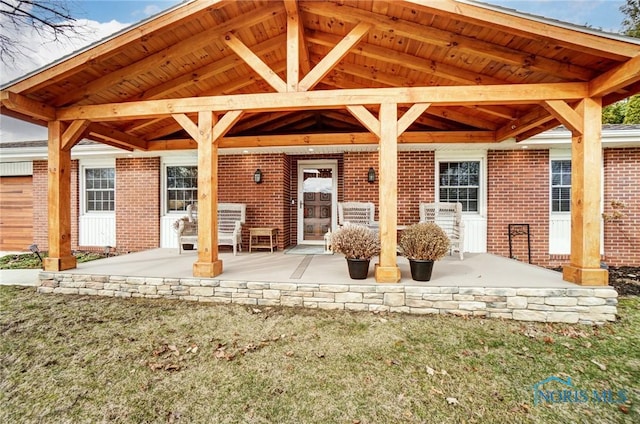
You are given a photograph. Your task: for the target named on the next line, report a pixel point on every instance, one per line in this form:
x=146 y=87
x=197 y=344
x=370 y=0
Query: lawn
x=72 y=359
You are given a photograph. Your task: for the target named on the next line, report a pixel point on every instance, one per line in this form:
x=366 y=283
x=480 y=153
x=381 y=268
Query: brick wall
x=137 y=204
x=622 y=184
x=268 y=202
x=415 y=181
x=518 y=192
x=40 y=215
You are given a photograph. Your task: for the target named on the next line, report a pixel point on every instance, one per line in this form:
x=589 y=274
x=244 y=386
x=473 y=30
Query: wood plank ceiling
x=219 y=48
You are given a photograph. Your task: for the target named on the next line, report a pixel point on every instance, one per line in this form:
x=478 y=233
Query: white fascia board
x=610 y=139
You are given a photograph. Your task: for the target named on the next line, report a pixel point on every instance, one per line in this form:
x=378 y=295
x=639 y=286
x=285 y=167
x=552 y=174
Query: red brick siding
x=137 y=204
x=415 y=181
x=40 y=213
x=416 y=184
x=268 y=202
x=518 y=192
x=622 y=184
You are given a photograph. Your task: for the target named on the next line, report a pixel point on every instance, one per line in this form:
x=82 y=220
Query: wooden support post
x=387 y=270
x=59 y=202
x=208 y=264
x=586 y=183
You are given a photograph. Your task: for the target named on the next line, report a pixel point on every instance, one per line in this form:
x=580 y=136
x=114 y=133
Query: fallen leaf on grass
x=436 y=391
x=452 y=401
x=601 y=366
x=549 y=340
x=289 y=353
x=523 y=407
x=624 y=409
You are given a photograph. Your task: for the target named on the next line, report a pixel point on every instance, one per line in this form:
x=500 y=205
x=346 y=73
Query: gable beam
x=453 y=41
x=221 y=127
x=522 y=27
x=624 y=75
x=410 y=116
x=207 y=71
x=537 y=117
x=116 y=138
x=429 y=67
x=188 y=125
x=255 y=63
x=26 y=106
x=335 y=55
x=565 y=114
x=294 y=41
x=330 y=139
x=62 y=70
x=158 y=60
x=331 y=99
x=366 y=118
x=74 y=132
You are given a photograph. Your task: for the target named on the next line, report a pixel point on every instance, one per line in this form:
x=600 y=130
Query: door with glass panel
x=316 y=203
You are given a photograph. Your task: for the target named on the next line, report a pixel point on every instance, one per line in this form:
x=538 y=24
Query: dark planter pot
x=421 y=269
x=358 y=268
x=187 y=246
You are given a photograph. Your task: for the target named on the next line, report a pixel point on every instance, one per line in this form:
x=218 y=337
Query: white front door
x=317 y=194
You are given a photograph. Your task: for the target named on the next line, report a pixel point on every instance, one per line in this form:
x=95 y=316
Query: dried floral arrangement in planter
x=355 y=242
x=423 y=244
x=358 y=244
x=424 y=241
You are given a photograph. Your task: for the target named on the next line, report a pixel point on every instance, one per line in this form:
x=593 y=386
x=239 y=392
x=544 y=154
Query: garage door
x=16 y=213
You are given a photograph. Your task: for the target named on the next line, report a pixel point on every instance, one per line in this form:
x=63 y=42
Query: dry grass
x=68 y=359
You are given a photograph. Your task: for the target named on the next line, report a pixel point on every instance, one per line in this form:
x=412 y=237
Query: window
x=182 y=187
x=460 y=182
x=561 y=186
x=100 y=189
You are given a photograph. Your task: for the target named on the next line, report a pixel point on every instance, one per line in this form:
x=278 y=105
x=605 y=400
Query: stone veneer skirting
x=568 y=305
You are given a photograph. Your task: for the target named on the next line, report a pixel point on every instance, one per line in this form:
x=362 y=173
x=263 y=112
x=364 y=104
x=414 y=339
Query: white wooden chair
x=231 y=217
x=358 y=213
x=449 y=217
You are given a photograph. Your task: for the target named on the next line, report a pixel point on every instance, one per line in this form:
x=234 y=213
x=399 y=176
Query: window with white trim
x=182 y=187
x=100 y=189
x=561 y=186
x=460 y=182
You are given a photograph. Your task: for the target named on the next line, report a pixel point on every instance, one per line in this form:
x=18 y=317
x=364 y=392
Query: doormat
x=307 y=249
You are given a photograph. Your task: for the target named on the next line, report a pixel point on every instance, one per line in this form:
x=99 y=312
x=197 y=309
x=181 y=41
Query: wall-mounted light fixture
x=371 y=175
x=257 y=176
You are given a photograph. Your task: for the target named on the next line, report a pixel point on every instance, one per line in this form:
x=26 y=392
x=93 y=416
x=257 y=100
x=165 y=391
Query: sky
x=102 y=18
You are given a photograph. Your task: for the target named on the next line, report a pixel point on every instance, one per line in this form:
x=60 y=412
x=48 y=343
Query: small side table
x=258 y=238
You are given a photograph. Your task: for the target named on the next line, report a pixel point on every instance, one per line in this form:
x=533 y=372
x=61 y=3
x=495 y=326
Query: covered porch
x=482 y=285
x=253 y=75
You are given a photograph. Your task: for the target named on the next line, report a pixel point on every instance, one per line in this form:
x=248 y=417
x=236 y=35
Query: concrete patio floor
x=476 y=270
